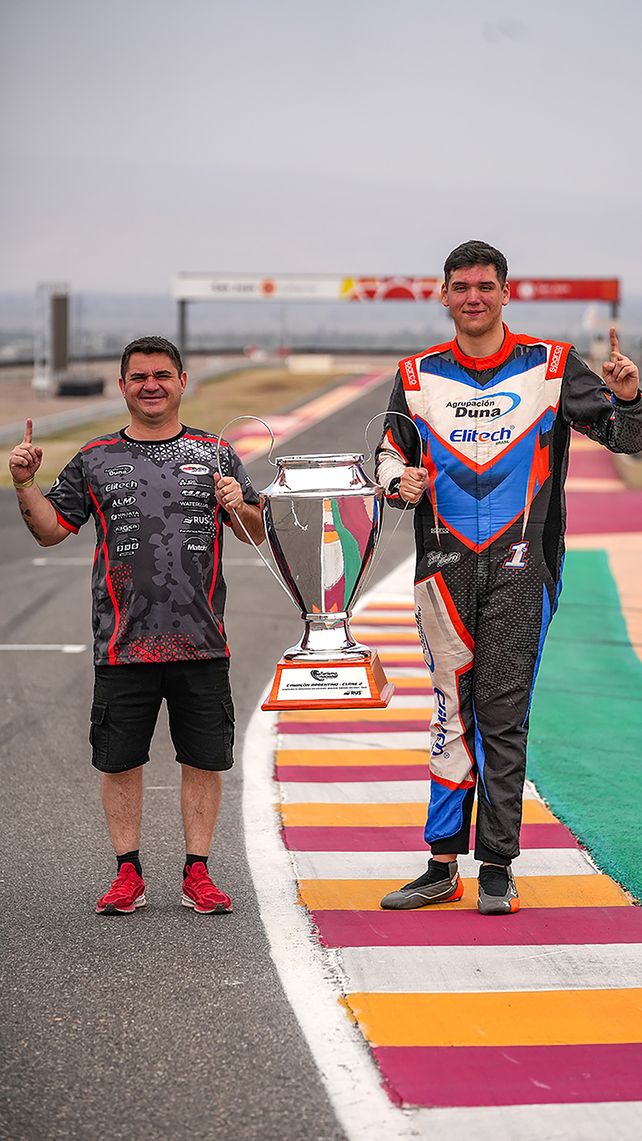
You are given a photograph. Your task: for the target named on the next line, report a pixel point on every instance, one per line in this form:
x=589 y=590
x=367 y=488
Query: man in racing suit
x=494 y=413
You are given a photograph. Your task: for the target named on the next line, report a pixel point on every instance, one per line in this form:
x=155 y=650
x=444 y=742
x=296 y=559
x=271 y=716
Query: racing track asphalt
x=165 y=1025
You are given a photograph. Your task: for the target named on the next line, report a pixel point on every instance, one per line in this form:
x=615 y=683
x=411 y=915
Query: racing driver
x=494 y=411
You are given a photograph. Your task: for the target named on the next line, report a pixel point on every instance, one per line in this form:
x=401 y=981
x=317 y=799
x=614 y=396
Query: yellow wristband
x=27 y=483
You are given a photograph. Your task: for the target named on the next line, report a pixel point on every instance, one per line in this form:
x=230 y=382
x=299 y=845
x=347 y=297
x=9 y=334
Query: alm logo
x=195 y=469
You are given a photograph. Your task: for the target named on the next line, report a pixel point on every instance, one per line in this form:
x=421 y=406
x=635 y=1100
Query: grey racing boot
x=429 y=888
x=497 y=891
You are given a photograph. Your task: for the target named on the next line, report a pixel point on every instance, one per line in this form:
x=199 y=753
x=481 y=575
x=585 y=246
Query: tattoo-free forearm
x=252 y=519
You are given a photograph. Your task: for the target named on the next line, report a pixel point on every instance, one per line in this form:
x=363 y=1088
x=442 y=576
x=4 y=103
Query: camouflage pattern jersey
x=158 y=592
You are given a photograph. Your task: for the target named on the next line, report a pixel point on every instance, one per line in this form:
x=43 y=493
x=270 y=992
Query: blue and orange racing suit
x=490 y=545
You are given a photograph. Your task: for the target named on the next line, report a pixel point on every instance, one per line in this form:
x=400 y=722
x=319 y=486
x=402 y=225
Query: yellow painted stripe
x=522 y=1018
x=384 y=815
x=534 y=891
x=357 y=757
x=414 y=713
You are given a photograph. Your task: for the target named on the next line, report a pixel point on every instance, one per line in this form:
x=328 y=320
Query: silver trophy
x=323 y=517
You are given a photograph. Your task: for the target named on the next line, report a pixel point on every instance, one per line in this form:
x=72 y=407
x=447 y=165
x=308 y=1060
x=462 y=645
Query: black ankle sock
x=130 y=858
x=493 y=879
x=438 y=870
x=190 y=859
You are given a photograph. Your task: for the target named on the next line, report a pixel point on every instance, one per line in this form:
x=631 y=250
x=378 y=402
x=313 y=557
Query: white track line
x=376 y=740
x=359 y=792
x=617 y=1121
x=416 y=970
x=409 y=865
x=60 y=647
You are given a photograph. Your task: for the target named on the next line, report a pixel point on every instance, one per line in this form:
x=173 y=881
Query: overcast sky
x=139 y=138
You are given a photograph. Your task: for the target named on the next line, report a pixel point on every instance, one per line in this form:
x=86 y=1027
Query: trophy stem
x=324 y=638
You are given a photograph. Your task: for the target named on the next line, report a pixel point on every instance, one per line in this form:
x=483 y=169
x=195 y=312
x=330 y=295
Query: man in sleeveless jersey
x=158 y=500
x=494 y=412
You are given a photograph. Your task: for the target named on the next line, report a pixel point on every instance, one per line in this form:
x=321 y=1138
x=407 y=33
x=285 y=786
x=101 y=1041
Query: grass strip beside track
x=585 y=753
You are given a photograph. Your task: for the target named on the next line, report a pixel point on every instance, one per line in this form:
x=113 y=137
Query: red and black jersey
x=158 y=591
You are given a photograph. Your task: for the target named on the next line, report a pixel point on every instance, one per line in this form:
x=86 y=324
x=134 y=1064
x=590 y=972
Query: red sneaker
x=125 y=894
x=201 y=893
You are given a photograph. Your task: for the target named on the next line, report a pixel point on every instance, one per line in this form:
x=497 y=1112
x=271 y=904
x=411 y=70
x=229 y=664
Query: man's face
x=475 y=298
x=152 y=387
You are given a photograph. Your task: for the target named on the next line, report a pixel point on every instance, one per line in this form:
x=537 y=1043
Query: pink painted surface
x=596 y=463
x=404 y=838
x=510 y=1075
x=327 y=725
x=533 y=926
x=603 y=512
x=318 y=774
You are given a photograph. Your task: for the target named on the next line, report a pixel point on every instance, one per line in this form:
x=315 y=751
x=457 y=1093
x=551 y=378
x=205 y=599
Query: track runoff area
x=527 y=1026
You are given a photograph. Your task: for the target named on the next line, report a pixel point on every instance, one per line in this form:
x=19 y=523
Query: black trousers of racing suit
x=482 y=619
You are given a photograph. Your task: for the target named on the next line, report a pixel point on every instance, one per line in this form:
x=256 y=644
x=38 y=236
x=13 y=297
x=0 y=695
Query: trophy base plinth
x=339 y=684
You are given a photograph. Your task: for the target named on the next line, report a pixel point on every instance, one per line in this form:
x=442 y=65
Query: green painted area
x=585 y=741
x=350 y=552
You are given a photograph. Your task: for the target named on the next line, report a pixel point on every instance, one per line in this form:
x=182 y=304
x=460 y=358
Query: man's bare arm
x=38 y=513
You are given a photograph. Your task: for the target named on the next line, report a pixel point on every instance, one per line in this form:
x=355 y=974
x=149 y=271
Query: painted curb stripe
x=382 y=717
x=518 y=1018
x=405 y=839
x=331 y=724
x=379 y=814
x=523 y=1075
x=408 y=865
x=311 y=773
x=539 y=926
x=352 y=757
x=534 y=891
x=596 y=966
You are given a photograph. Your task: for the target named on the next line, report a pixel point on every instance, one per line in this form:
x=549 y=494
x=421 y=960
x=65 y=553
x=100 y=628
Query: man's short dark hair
x=150 y=345
x=473 y=253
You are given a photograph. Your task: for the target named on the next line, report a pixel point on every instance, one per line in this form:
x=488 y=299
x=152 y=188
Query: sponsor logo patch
x=484 y=407
x=130 y=483
x=195 y=469
x=475 y=436
x=127 y=547
x=120 y=469
x=439 y=724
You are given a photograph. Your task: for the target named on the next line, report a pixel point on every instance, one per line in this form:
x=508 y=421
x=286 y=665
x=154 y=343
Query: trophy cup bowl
x=323 y=517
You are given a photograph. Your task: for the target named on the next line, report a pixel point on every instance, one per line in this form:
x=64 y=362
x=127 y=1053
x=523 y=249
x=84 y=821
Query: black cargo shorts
x=125 y=709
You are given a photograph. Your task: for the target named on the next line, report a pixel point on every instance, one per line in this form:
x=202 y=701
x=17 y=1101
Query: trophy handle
x=234 y=421
x=379 y=553
x=218 y=465
x=377 y=416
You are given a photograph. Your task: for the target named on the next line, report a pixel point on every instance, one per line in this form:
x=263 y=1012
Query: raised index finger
x=615 y=344
x=28 y=436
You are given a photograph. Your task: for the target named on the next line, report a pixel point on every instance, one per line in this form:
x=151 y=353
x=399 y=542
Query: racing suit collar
x=494 y=361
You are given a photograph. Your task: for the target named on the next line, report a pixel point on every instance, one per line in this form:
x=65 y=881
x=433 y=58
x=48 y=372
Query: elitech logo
x=475 y=436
